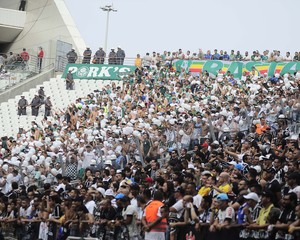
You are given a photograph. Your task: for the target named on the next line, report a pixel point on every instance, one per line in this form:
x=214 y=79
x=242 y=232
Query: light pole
x=108 y=9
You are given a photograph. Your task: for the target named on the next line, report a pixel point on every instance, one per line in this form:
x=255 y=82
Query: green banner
x=98 y=71
x=236 y=68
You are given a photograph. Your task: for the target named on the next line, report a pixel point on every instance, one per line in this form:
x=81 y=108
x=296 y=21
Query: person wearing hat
x=72 y=56
x=112 y=57
x=87 y=55
x=226 y=214
x=99 y=56
x=254 y=207
x=120 y=56
x=204 y=152
x=249 y=213
x=262 y=222
x=22 y=104
x=41 y=93
x=48 y=106
x=35 y=105
x=69 y=81
x=129 y=216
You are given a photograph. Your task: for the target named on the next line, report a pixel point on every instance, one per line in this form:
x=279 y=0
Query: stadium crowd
x=167 y=156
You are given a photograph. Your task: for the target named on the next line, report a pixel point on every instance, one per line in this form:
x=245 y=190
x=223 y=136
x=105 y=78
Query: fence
x=14 y=73
x=231 y=232
x=61 y=62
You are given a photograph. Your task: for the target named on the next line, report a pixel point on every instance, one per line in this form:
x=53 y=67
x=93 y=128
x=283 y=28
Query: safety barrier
x=235 y=232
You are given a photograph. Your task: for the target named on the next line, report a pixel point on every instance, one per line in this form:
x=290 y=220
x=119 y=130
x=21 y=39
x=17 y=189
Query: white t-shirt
x=228 y=213
x=132 y=227
x=87 y=157
x=90 y=206
x=179 y=207
x=296 y=190
x=197 y=200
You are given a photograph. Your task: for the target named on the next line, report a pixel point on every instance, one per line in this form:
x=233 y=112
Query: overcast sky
x=142 y=26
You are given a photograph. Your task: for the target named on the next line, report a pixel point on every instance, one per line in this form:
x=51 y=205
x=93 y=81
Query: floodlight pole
x=108 y=9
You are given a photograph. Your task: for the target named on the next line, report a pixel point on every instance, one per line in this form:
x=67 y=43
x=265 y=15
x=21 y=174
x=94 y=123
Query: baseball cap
x=204 y=144
x=93 y=162
x=101 y=190
x=206 y=173
x=253 y=196
x=222 y=197
x=119 y=196
x=257 y=168
x=239 y=166
x=109 y=192
x=232 y=163
x=149 y=180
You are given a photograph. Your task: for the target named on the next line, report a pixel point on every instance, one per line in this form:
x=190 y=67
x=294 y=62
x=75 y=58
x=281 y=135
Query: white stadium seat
x=60 y=97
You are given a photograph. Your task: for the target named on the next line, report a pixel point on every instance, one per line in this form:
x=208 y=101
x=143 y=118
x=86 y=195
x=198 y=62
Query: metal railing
x=17 y=71
x=61 y=61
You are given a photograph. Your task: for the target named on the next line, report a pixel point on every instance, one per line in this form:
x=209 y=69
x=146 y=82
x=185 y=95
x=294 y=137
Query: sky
x=141 y=26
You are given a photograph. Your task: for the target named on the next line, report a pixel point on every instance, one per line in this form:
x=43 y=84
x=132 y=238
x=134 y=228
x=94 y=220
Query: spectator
x=35 y=105
x=87 y=55
x=120 y=56
x=72 y=56
x=112 y=57
x=22 y=104
x=25 y=58
x=40 y=58
x=99 y=56
x=70 y=81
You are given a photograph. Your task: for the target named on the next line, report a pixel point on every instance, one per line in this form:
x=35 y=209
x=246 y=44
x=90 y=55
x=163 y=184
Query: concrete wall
x=10 y=4
x=46 y=22
x=26 y=85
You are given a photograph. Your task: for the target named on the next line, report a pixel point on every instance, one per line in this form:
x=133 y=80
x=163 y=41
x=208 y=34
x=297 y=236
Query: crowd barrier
x=233 y=232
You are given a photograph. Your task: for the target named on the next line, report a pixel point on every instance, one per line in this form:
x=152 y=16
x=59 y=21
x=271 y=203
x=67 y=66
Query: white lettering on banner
x=73 y=69
x=104 y=72
x=124 y=70
x=93 y=72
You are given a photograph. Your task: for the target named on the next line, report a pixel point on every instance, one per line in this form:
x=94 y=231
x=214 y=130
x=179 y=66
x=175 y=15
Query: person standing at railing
x=87 y=55
x=22 y=104
x=120 y=56
x=25 y=58
x=99 y=56
x=40 y=58
x=112 y=57
x=138 y=61
x=72 y=56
